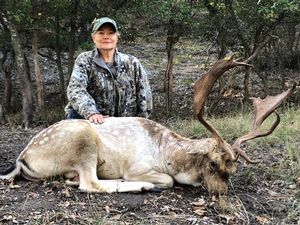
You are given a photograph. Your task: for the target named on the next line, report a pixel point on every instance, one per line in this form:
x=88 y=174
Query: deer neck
x=181 y=154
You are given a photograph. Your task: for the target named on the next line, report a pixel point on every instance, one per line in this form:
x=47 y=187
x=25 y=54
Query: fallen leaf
x=73 y=216
x=292 y=186
x=165 y=208
x=64 y=204
x=199 y=207
x=213 y=198
x=179 y=196
x=200 y=211
x=174 y=214
x=200 y=202
x=14 y=186
x=116 y=217
x=47 y=191
x=227 y=217
x=33 y=194
x=10 y=181
x=8 y=217
x=66 y=192
x=107 y=209
x=274 y=194
x=262 y=219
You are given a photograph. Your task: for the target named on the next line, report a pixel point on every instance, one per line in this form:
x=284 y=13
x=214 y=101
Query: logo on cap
x=99 y=22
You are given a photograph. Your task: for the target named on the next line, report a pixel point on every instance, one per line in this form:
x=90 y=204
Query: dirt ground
x=257 y=195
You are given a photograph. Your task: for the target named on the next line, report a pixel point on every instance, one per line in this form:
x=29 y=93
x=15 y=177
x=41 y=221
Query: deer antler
x=262 y=108
x=204 y=86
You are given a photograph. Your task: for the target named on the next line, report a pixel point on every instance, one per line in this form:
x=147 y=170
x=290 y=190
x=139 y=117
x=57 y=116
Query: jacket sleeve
x=144 y=93
x=77 y=93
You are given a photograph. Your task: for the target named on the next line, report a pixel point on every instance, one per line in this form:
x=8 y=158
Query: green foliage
x=272 y=10
x=243 y=25
x=209 y=19
x=85 y=46
x=17 y=12
x=178 y=16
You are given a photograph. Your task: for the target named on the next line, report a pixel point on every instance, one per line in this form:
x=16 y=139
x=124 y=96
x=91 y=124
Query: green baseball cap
x=99 y=22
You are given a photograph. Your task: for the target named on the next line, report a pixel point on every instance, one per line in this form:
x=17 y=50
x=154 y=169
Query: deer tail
x=12 y=171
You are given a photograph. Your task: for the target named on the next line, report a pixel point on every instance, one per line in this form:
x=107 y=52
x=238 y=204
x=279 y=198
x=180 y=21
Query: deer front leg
x=109 y=186
x=119 y=185
x=161 y=180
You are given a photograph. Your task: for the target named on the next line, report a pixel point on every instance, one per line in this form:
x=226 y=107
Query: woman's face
x=106 y=38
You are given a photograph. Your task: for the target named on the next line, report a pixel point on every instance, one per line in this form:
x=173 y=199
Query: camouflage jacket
x=121 y=90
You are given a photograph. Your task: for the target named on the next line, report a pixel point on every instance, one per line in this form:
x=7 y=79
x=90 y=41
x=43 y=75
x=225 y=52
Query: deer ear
x=204 y=147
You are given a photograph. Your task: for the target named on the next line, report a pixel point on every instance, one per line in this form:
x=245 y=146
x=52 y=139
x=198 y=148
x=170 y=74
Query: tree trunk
x=169 y=73
x=7 y=69
x=72 y=35
x=169 y=82
x=58 y=63
x=246 y=84
x=37 y=71
x=61 y=77
x=264 y=80
x=22 y=71
x=222 y=89
x=1 y=115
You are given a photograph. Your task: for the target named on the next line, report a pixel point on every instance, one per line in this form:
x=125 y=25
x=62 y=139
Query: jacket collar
x=99 y=61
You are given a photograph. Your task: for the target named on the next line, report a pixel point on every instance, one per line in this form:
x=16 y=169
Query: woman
x=105 y=82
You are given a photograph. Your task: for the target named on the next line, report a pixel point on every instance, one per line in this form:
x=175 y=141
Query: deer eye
x=228 y=162
x=213 y=166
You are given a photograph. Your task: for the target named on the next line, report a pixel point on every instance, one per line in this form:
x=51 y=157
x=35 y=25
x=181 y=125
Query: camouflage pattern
x=121 y=90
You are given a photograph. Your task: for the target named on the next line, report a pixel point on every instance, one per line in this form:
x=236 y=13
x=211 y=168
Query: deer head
x=223 y=159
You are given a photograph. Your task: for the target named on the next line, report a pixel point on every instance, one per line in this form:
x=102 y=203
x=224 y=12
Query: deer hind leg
x=84 y=169
x=72 y=178
x=88 y=180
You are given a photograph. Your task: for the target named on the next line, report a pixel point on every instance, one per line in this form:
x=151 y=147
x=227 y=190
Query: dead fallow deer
x=128 y=154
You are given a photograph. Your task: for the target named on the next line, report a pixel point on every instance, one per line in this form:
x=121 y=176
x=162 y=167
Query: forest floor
x=258 y=194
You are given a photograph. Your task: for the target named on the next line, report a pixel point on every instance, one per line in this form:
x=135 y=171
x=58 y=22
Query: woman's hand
x=97 y=118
